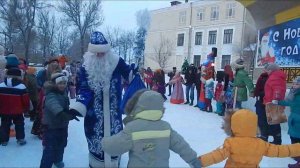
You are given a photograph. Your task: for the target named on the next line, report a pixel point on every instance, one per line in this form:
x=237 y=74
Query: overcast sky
x=122 y=13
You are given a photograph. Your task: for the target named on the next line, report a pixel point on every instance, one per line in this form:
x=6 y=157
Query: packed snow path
x=200 y=129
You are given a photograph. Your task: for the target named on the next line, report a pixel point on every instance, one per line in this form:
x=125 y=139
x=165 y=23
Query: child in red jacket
x=14 y=101
x=219 y=97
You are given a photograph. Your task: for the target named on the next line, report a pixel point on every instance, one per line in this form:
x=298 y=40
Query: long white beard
x=99 y=70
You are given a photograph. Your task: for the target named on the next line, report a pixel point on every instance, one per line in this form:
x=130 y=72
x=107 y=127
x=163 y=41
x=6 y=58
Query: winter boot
x=296 y=165
x=21 y=142
x=187 y=102
x=4 y=143
x=191 y=103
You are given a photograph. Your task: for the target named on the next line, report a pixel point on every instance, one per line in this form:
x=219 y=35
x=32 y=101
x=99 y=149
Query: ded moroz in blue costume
x=99 y=97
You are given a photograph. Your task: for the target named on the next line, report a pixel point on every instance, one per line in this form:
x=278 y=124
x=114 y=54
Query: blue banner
x=279 y=44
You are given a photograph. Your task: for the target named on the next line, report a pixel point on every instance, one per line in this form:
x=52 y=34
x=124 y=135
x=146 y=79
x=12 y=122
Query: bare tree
x=62 y=38
x=22 y=15
x=83 y=15
x=46 y=27
x=143 y=22
x=143 y=19
x=126 y=44
x=162 y=52
x=113 y=35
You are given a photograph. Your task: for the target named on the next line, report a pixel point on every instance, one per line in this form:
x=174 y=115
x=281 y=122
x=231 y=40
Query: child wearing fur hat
x=243 y=148
x=14 y=101
x=148 y=138
x=293 y=100
x=56 y=117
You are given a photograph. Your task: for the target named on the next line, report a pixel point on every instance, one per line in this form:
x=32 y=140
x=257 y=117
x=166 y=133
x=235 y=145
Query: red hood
x=278 y=75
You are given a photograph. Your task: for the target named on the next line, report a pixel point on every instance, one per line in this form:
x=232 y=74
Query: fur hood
x=240 y=123
x=49 y=86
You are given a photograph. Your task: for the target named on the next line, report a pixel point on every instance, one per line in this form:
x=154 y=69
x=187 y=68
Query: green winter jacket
x=242 y=82
x=294 y=118
x=56 y=103
x=148 y=138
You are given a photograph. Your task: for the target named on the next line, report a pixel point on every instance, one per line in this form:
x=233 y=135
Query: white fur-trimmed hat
x=58 y=77
x=238 y=64
x=98 y=43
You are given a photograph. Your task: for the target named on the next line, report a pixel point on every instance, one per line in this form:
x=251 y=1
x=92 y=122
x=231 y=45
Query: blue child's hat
x=98 y=43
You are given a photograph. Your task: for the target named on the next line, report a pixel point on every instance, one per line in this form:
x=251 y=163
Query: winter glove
x=195 y=163
x=74 y=112
x=275 y=101
x=67 y=117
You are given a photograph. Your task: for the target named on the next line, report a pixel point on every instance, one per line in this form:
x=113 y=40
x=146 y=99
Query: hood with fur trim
x=242 y=123
x=150 y=106
x=49 y=86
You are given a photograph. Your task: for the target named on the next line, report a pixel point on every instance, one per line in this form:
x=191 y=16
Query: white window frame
x=214 y=13
x=230 y=57
x=233 y=35
x=182 y=17
x=224 y=36
x=216 y=36
x=202 y=34
x=231 y=7
x=178 y=39
x=201 y=14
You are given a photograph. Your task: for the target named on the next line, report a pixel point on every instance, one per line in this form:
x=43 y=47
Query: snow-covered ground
x=200 y=129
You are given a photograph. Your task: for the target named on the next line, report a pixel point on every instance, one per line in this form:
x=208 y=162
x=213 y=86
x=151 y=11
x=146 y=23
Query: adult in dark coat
x=190 y=81
x=259 y=93
x=198 y=84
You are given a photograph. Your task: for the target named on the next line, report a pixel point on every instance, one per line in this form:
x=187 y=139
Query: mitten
x=275 y=101
x=67 y=117
x=74 y=113
x=195 y=163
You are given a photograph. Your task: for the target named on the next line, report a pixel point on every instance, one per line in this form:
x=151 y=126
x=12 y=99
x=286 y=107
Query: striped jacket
x=14 y=98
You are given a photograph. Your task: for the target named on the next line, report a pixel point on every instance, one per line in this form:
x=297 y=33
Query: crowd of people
x=233 y=88
x=44 y=97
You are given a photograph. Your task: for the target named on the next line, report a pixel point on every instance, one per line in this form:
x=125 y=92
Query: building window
x=230 y=12
x=180 y=39
x=214 y=14
x=212 y=37
x=227 y=36
x=200 y=14
x=182 y=17
x=197 y=59
x=198 y=38
x=225 y=61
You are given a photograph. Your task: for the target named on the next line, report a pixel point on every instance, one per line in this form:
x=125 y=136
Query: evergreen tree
x=140 y=44
x=185 y=66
